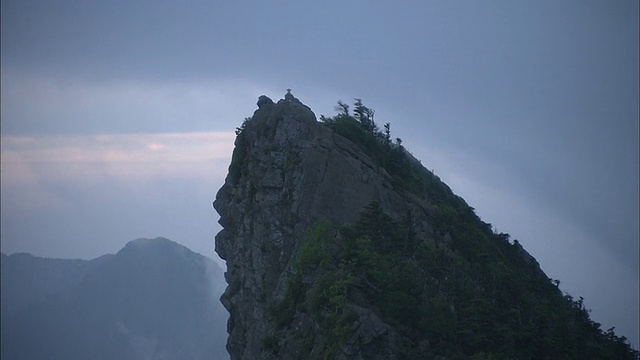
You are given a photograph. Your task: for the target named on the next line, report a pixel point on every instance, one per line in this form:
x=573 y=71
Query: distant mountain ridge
x=154 y=299
x=29 y=279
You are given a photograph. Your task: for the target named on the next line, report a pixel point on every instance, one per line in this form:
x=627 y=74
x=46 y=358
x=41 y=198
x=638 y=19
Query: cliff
x=339 y=244
x=287 y=172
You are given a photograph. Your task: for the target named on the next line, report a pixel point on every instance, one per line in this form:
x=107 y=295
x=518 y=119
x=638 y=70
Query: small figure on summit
x=289 y=95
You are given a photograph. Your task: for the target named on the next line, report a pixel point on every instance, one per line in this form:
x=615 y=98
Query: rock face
x=287 y=172
x=467 y=284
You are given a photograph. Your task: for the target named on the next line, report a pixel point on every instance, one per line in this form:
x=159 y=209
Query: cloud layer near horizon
x=63 y=195
x=130 y=156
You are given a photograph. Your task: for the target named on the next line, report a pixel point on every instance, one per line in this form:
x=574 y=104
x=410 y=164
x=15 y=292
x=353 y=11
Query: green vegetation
x=270 y=344
x=239 y=161
x=494 y=305
x=407 y=173
x=326 y=298
x=467 y=291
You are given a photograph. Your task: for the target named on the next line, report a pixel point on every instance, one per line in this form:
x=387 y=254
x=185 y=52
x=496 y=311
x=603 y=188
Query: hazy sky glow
x=118 y=117
x=87 y=195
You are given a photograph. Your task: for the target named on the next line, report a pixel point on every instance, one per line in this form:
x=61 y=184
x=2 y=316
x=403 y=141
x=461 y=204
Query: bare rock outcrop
x=287 y=172
x=346 y=247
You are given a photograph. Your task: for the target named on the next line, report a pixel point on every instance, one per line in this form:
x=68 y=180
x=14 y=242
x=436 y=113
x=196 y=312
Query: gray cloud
x=53 y=105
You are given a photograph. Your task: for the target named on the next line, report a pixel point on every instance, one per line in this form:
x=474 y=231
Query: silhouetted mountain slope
x=154 y=299
x=341 y=245
x=29 y=279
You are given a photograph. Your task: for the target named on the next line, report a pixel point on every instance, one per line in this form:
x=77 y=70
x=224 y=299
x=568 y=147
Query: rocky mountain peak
x=340 y=244
x=287 y=172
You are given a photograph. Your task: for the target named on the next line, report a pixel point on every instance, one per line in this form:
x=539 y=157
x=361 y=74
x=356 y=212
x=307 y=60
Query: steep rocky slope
x=287 y=172
x=339 y=244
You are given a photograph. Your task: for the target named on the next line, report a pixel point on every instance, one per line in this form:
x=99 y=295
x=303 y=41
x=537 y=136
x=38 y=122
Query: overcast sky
x=118 y=117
